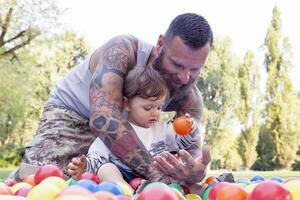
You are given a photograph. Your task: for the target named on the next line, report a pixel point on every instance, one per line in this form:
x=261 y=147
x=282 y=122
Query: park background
x=250 y=83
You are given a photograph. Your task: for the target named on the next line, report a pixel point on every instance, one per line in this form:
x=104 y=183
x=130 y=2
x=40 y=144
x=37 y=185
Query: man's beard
x=158 y=65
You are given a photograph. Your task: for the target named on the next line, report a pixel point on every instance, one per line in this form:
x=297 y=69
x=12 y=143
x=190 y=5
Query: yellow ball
x=57 y=181
x=294 y=187
x=18 y=186
x=45 y=191
x=192 y=197
x=127 y=190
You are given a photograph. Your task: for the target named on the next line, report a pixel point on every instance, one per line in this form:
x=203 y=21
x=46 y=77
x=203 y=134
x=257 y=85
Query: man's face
x=178 y=63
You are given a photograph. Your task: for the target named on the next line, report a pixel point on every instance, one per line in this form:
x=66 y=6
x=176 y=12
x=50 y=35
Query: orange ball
x=29 y=179
x=182 y=125
x=210 y=179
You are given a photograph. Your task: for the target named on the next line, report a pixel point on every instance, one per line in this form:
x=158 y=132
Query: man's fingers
x=187 y=158
x=163 y=164
x=206 y=155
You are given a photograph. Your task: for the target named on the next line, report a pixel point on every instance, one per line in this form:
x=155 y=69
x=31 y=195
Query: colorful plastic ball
x=156 y=184
x=276 y=179
x=46 y=171
x=90 y=176
x=126 y=189
x=270 y=190
x=135 y=182
x=257 y=178
x=232 y=191
x=87 y=184
x=17 y=186
x=214 y=189
x=5 y=190
x=10 y=182
x=11 y=197
x=177 y=187
x=76 y=193
x=157 y=193
x=109 y=186
x=294 y=187
x=45 y=191
x=24 y=191
x=57 y=181
x=29 y=179
x=71 y=181
x=192 y=197
x=102 y=195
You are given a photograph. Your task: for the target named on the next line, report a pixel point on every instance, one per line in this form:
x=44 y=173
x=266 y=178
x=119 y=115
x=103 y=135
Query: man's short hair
x=192 y=28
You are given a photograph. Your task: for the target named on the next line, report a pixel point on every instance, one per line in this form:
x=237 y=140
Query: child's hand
x=77 y=166
x=193 y=122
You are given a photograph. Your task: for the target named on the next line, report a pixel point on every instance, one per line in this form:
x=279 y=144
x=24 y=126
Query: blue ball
x=109 y=187
x=276 y=179
x=87 y=184
x=257 y=178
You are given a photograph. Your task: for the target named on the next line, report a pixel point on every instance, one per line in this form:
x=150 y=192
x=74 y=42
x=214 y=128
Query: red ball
x=185 y=189
x=10 y=182
x=157 y=193
x=134 y=183
x=46 y=171
x=213 y=192
x=91 y=176
x=270 y=190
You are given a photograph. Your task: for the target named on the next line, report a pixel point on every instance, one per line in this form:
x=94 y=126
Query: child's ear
x=125 y=104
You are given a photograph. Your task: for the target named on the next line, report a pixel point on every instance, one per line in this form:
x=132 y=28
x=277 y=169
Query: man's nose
x=184 y=76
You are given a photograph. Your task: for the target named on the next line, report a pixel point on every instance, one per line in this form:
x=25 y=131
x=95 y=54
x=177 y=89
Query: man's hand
x=77 y=166
x=185 y=168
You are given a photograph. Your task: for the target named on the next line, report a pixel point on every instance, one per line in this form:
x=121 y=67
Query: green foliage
x=218 y=83
x=281 y=125
x=248 y=110
x=28 y=73
x=10 y=155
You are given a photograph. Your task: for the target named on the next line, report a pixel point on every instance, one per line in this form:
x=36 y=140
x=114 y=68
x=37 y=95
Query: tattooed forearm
x=106 y=99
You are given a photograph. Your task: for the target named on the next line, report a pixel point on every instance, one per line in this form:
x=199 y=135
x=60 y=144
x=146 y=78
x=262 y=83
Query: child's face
x=144 y=112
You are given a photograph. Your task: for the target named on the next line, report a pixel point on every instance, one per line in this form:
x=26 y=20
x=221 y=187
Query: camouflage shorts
x=62 y=134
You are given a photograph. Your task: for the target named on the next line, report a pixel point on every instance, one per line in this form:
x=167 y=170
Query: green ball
x=1 y=180
x=71 y=181
x=206 y=193
x=177 y=187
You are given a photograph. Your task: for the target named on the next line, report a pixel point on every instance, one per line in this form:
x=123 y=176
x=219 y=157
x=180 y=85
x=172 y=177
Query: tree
x=280 y=126
x=23 y=20
x=218 y=83
x=248 y=110
x=29 y=67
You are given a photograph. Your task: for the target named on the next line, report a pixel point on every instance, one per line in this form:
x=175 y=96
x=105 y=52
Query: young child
x=145 y=93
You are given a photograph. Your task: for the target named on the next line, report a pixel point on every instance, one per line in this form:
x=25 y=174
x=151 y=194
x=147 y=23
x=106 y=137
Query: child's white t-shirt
x=158 y=138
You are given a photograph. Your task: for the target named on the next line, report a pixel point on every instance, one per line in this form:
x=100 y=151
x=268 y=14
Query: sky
x=244 y=21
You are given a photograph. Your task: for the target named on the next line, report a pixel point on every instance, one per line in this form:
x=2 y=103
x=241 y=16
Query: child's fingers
x=75 y=161
x=72 y=166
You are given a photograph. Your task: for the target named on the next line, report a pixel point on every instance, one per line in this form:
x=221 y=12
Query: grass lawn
x=238 y=174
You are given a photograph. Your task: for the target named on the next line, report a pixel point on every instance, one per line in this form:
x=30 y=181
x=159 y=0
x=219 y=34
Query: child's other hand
x=193 y=122
x=77 y=166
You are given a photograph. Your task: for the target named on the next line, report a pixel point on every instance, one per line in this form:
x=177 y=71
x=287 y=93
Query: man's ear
x=126 y=104
x=160 y=43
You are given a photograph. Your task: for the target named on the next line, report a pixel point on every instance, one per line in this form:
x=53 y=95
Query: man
x=87 y=103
